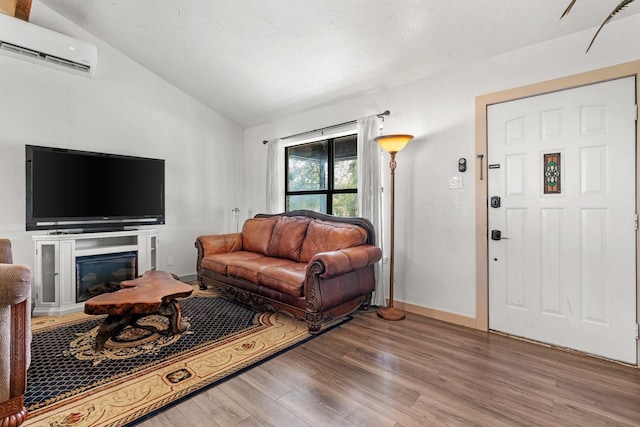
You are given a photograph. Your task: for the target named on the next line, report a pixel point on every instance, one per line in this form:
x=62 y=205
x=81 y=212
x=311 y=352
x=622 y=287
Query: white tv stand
x=54 y=286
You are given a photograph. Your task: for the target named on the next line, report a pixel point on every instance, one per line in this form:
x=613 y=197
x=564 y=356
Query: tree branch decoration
x=618 y=8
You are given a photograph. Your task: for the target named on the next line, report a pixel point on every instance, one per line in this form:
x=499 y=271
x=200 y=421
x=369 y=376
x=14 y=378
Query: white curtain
x=370 y=191
x=275 y=176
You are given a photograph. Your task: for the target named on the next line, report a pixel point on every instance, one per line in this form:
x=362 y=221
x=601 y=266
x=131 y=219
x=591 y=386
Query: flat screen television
x=87 y=191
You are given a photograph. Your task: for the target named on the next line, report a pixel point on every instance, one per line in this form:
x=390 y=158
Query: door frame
x=482 y=102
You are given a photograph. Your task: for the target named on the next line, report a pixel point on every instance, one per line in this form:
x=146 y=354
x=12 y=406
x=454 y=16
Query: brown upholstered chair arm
x=339 y=262
x=5 y=251
x=15 y=283
x=219 y=243
x=15 y=328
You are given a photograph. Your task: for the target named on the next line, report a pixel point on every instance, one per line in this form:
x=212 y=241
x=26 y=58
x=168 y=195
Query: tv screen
x=72 y=189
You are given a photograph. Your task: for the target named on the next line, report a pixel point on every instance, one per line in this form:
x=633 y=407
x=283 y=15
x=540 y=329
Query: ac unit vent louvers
x=49 y=58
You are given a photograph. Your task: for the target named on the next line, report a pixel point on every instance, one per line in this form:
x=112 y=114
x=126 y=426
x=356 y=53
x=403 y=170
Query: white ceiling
x=256 y=60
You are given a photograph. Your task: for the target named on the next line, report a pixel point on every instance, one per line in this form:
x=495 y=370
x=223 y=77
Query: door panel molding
x=630 y=69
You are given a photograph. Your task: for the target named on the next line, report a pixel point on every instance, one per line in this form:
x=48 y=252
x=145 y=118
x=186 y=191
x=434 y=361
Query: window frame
x=330 y=191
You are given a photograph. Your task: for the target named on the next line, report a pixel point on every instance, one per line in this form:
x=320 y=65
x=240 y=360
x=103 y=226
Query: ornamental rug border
x=139 y=393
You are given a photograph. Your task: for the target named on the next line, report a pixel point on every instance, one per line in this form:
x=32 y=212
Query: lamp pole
x=392 y=144
x=390 y=312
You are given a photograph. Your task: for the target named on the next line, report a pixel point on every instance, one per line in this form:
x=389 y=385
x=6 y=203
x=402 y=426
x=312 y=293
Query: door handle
x=497 y=235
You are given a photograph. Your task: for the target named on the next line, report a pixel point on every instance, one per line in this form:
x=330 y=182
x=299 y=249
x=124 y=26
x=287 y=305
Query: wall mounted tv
x=87 y=191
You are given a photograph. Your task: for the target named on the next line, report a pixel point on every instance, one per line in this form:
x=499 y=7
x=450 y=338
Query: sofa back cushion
x=287 y=237
x=324 y=236
x=256 y=234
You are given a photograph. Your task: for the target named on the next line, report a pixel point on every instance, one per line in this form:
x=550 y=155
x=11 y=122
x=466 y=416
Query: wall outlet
x=169 y=261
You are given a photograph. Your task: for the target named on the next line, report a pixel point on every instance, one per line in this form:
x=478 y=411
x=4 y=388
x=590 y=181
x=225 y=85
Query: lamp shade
x=393 y=143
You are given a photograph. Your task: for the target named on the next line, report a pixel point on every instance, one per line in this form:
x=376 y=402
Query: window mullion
x=330 y=168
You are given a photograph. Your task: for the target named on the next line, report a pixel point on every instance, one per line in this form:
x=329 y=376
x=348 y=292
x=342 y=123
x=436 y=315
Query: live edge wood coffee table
x=153 y=293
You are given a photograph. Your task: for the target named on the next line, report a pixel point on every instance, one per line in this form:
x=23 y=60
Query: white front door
x=562 y=271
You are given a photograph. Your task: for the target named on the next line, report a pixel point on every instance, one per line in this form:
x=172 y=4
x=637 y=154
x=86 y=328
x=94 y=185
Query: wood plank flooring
x=418 y=372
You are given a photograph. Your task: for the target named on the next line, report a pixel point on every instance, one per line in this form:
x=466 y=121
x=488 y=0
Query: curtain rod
x=380 y=116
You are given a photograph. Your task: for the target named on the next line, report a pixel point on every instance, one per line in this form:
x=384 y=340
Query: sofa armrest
x=336 y=263
x=219 y=243
x=15 y=284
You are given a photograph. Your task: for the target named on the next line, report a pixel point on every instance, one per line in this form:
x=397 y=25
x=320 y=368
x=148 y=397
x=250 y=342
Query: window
x=323 y=176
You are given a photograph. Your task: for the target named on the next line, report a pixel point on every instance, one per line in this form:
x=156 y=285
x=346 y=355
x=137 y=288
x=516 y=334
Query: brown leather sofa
x=15 y=336
x=315 y=266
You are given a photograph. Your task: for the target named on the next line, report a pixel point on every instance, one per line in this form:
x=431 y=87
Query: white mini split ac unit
x=39 y=45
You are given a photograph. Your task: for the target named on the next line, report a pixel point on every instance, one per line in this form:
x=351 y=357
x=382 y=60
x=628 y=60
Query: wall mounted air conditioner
x=39 y=45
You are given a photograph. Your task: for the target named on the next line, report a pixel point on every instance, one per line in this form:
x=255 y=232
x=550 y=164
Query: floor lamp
x=392 y=144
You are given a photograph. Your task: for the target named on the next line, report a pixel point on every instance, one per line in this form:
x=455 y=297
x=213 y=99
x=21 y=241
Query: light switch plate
x=455 y=182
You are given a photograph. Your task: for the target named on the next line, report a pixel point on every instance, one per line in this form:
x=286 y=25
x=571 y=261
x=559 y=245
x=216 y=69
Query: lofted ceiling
x=256 y=60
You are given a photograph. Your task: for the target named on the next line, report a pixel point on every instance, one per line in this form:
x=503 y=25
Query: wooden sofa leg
x=314 y=322
x=13 y=412
x=366 y=304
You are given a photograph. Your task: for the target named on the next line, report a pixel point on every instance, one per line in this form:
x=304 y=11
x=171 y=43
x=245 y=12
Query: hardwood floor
x=418 y=372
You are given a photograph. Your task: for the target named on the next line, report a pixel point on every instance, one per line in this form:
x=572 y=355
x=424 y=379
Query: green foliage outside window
x=345 y=204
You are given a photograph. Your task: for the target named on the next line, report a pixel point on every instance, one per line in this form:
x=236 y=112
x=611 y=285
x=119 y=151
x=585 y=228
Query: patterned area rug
x=140 y=372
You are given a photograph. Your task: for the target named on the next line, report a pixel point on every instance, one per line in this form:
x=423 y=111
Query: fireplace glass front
x=98 y=274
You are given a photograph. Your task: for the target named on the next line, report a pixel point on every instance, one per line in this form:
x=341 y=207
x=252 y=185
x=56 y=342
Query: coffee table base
x=155 y=292
x=114 y=323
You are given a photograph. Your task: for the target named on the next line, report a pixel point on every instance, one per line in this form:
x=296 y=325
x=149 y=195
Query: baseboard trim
x=189 y=278
x=432 y=313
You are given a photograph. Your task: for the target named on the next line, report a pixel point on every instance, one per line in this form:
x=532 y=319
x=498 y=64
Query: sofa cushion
x=219 y=262
x=323 y=236
x=256 y=234
x=286 y=278
x=287 y=237
x=248 y=269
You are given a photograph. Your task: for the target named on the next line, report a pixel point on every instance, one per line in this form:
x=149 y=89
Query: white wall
x=125 y=109
x=435 y=226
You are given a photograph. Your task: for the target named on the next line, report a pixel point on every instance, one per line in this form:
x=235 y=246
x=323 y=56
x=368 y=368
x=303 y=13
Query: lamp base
x=390 y=313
